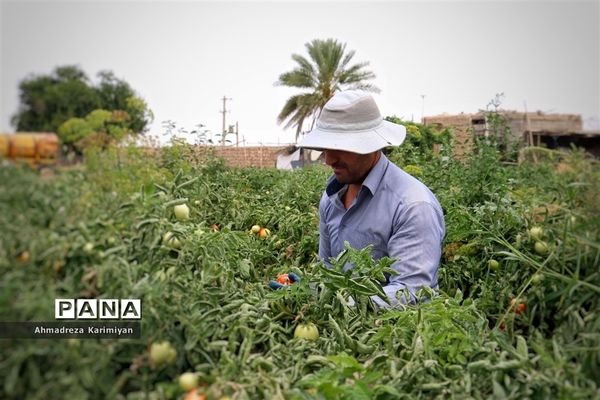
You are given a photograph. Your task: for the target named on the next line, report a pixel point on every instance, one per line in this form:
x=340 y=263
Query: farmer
x=371 y=201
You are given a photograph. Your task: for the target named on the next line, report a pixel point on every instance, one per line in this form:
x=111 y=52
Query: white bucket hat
x=351 y=121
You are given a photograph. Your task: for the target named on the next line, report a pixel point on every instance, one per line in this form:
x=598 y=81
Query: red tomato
x=284 y=279
x=519 y=308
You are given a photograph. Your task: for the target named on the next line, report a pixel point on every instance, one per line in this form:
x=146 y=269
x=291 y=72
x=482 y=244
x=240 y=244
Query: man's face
x=350 y=168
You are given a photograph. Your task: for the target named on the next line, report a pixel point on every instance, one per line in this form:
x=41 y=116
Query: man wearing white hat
x=371 y=201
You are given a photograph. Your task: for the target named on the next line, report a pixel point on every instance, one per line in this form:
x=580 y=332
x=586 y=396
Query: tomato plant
x=208 y=315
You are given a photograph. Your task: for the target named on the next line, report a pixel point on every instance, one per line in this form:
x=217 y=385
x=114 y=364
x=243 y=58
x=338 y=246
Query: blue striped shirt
x=394 y=212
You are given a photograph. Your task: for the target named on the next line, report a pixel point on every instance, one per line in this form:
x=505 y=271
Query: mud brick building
x=533 y=128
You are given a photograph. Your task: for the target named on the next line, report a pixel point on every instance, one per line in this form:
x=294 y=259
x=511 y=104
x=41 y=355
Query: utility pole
x=224 y=112
x=422 y=108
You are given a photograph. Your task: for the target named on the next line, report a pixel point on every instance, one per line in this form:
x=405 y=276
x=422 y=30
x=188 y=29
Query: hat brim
x=361 y=142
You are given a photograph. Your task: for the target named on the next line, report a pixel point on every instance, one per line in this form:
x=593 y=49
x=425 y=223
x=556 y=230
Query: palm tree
x=326 y=72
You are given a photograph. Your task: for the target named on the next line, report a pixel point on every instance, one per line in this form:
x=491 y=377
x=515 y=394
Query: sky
x=429 y=57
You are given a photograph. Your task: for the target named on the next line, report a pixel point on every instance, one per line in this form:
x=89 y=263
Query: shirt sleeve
x=416 y=243
x=324 y=238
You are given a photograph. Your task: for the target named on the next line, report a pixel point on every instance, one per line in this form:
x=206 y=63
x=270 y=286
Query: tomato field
x=516 y=315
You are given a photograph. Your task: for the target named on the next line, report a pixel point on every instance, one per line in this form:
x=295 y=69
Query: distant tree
x=116 y=94
x=99 y=128
x=140 y=116
x=47 y=101
x=326 y=71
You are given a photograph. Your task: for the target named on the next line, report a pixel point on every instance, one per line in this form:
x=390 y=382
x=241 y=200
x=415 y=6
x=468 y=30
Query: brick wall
x=462 y=131
x=255 y=156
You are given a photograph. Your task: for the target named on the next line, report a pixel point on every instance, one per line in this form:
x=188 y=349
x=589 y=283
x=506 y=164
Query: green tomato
x=536 y=233
x=541 y=248
x=308 y=331
x=537 y=278
x=182 y=212
x=162 y=353
x=171 y=241
x=88 y=248
x=493 y=264
x=188 y=381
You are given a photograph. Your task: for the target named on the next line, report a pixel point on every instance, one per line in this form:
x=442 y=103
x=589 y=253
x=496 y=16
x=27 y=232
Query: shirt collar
x=371 y=182
x=374 y=177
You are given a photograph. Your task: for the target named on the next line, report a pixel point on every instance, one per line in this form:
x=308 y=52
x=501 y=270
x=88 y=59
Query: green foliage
x=139 y=113
x=73 y=130
x=210 y=299
x=418 y=147
x=98 y=129
x=48 y=101
x=98 y=119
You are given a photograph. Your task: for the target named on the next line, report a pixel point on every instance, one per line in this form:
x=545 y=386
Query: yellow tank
x=32 y=148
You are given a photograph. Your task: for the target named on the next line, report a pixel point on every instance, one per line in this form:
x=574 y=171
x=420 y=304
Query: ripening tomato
x=188 y=381
x=264 y=233
x=255 y=229
x=284 y=279
x=194 y=394
x=24 y=256
x=519 y=308
x=307 y=331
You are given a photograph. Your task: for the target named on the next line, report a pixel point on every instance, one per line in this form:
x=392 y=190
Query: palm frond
x=325 y=72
